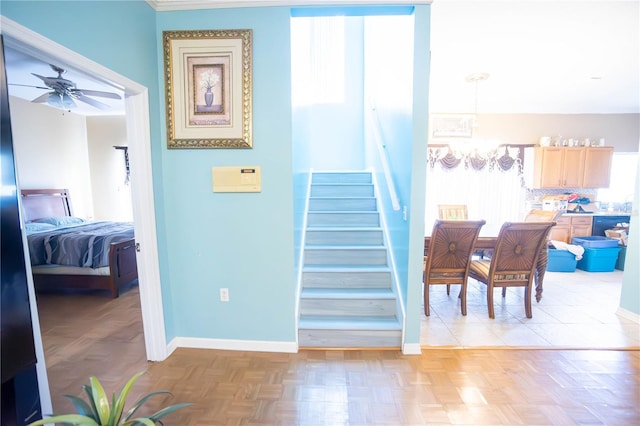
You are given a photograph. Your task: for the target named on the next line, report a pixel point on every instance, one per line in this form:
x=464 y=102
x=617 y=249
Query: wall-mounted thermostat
x=236 y=179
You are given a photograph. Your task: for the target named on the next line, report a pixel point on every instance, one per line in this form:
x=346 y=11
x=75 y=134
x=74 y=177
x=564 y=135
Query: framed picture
x=208 y=88
x=452 y=125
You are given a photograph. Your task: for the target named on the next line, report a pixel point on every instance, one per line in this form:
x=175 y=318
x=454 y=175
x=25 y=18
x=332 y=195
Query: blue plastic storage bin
x=595 y=242
x=561 y=261
x=621 y=258
x=599 y=259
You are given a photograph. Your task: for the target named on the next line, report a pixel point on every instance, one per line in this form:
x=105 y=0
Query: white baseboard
x=628 y=315
x=411 y=349
x=231 y=345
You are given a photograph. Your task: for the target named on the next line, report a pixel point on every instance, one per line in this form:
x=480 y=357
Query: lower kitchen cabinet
x=568 y=227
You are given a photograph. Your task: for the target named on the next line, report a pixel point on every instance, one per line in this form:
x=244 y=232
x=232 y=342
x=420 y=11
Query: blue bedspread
x=85 y=245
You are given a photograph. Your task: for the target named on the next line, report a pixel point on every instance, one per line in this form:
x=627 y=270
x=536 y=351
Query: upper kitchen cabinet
x=597 y=163
x=568 y=167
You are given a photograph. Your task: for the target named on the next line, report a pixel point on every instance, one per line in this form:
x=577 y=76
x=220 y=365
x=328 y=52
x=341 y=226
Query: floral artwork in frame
x=208 y=88
x=452 y=125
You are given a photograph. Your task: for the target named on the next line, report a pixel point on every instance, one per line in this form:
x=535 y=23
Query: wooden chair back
x=449 y=255
x=537 y=215
x=514 y=260
x=452 y=212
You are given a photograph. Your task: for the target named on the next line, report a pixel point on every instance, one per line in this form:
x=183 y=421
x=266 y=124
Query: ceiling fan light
x=54 y=100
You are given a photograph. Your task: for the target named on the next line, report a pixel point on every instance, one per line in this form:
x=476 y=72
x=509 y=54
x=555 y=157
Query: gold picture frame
x=208 y=83
x=452 y=125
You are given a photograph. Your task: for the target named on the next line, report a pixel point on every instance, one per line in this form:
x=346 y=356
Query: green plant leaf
x=141 y=402
x=92 y=403
x=118 y=405
x=71 y=419
x=168 y=410
x=139 y=420
x=82 y=407
x=100 y=399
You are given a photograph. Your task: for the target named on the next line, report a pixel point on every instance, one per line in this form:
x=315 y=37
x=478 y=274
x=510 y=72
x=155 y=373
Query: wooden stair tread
x=350 y=323
x=347 y=293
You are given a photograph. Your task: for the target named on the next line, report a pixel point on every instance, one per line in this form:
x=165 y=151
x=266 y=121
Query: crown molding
x=171 y=5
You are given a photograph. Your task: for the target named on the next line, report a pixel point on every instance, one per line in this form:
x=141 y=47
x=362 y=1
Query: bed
x=72 y=253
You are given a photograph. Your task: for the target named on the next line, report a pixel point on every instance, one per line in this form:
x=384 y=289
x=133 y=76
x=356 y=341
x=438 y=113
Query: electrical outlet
x=224 y=294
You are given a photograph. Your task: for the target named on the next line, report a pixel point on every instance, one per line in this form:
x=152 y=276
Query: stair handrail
x=375 y=127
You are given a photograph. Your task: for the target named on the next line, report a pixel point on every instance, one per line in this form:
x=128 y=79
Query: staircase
x=347 y=299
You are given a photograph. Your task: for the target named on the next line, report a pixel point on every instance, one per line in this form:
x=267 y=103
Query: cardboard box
x=619 y=234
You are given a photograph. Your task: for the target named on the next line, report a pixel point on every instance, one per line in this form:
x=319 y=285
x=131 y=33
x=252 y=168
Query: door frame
x=139 y=142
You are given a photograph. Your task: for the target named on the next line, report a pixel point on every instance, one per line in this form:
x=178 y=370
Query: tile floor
x=577 y=310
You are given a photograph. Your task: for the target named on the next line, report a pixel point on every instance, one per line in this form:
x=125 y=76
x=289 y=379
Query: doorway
x=138 y=135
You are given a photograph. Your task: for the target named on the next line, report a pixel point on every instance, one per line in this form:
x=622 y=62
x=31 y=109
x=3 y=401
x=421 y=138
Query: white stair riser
x=342 y=204
x=349 y=338
x=341 y=178
x=341 y=191
x=354 y=219
x=344 y=237
x=348 y=307
x=345 y=257
x=355 y=280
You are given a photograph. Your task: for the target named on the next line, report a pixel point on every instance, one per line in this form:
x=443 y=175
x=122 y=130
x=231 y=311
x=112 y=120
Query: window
x=623 y=179
x=317 y=60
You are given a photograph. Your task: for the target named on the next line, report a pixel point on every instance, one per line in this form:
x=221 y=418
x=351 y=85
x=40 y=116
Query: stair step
x=346 y=277
x=349 y=219
x=352 y=177
x=343 y=304
x=341 y=190
x=349 y=332
x=345 y=255
x=347 y=294
x=352 y=323
x=343 y=204
x=344 y=236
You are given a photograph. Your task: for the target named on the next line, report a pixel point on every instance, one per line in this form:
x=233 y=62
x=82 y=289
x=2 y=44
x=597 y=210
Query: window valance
x=503 y=157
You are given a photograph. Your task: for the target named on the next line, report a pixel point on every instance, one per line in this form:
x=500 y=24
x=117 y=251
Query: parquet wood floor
x=440 y=387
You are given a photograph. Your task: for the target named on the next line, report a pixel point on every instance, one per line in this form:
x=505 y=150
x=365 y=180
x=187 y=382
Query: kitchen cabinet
x=568 y=227
x=569 y=167
x=597 y=167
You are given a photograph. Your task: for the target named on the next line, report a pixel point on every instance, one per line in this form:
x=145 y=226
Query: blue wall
x=206 y=240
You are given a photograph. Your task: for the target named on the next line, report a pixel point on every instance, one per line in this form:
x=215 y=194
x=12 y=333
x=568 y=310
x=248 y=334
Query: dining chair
x=514 y=260
x=537 y=215
x=448 y=258
x=452 y=212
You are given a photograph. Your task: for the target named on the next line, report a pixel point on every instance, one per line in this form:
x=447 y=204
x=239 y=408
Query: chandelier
x=473 y=151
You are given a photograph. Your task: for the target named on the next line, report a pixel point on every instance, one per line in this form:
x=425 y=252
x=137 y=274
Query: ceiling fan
x=65 y=91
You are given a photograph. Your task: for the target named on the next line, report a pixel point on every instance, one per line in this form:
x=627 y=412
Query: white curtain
x=492 y=194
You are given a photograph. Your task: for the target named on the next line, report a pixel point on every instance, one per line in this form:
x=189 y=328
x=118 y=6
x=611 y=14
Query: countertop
x=599 y=213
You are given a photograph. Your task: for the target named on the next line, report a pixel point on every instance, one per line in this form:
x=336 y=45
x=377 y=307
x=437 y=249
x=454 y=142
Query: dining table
x=489 y=243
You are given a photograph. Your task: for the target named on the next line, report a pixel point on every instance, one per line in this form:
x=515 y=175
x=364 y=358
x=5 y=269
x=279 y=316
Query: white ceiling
x=542 y=56
x=572 y=56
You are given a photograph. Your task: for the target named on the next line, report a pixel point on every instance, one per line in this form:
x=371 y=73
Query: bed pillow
x=32 y=227
x=60 y=220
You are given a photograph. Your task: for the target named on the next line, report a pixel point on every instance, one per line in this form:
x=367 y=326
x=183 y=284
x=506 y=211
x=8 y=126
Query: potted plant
x=98 y=412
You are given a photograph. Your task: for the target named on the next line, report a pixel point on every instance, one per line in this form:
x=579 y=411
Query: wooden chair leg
x=504 y=291
x=448 y=289
x=527 y=301
x=463 y=298
x=490 y=302
x=427 y=311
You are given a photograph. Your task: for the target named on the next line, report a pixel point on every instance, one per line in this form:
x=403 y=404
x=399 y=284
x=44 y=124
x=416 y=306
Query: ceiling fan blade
x=28 y=85
x=91 y=102
x=97 y=93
